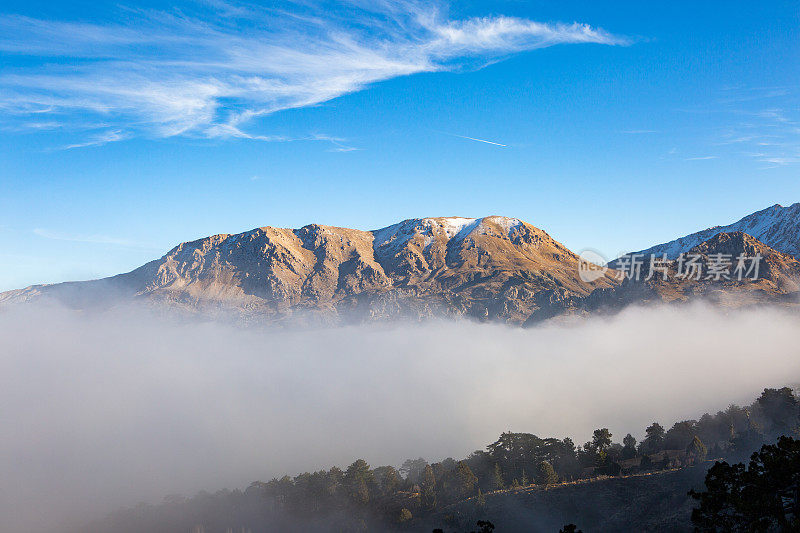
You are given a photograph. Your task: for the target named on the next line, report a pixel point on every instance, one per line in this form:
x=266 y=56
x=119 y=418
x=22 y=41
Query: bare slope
x=493 y=268
x=778 y=279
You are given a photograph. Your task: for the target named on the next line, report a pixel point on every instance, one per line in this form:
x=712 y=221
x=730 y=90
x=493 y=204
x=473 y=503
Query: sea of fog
x=100 y=411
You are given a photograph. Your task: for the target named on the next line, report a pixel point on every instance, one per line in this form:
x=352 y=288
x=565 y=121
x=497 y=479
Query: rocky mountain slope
x=489 y=268
x=778 y=278
x=778 y=227
x=492 y=268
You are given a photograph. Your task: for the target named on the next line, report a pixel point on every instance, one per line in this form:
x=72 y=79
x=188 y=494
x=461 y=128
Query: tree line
x=361 y=497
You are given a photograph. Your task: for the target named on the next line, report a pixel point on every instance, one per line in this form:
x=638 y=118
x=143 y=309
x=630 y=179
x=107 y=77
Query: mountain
x=778 y=279
x=778 y=227
x=489 y=268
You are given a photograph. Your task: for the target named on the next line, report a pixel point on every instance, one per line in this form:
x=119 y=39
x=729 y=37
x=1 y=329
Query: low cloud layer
x=102 y=411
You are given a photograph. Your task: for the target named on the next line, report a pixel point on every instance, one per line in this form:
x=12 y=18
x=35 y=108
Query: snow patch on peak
x=508 y=224
x=451 y=228
x=397 y=235
x=458 y=227
x=776 y=226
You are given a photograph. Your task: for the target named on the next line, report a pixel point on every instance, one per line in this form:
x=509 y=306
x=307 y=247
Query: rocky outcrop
x=777 y=280
x=494 y=268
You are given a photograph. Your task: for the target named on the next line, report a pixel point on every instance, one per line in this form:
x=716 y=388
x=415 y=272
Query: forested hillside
x=521 y=480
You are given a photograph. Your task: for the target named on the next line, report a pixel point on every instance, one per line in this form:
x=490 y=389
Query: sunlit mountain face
x=359 y=266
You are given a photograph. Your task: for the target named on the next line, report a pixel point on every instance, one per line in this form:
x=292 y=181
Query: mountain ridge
x=776 y=226
x=489 y=268
x=778 y=279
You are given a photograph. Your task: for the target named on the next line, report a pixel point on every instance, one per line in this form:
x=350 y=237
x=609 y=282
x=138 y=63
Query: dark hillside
x=642 y=502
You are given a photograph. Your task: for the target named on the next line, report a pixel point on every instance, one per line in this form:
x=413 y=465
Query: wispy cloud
x=99 y=139
x=736 y=95
x=638 y=132
x=339 y=145
x=779 y=161
x=763 y=124
x=209 y=68
x=344 y=149
x=91 y=239
x=701 y=158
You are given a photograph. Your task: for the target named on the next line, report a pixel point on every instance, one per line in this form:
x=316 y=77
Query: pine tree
x=427 y=485
x=696 y=449
x=601 y=457
x=752 y=497
x=525 y=481
x=358 y=479
x=629 y=448
x=601 y=439
x=497 y=478
x=480 y=500
x=458 y=483
x=545 y=474
x=654 y=441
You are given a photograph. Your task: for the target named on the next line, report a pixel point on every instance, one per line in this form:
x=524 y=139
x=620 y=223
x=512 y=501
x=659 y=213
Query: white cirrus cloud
x=103 y=137
x=763 y=124
x=209 y=68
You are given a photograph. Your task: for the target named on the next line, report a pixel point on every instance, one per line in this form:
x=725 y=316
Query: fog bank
x=102 y=411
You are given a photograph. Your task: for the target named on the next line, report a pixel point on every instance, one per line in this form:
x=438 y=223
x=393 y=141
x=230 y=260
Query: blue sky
x=129 y=127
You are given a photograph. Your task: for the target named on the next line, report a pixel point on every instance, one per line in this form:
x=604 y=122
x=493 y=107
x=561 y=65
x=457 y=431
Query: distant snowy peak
x=778 y=227
x=449 y=228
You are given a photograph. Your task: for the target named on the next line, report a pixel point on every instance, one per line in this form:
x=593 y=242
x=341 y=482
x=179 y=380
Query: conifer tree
x=696 y=449
x=427 y=485
x=546 y=475
x=497 y=478
x=480 y=500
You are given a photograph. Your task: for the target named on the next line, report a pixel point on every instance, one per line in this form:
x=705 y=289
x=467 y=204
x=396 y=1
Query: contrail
x=474 y=139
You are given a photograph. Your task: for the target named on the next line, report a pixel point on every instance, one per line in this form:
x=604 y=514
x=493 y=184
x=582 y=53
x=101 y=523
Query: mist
x=101 y=411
